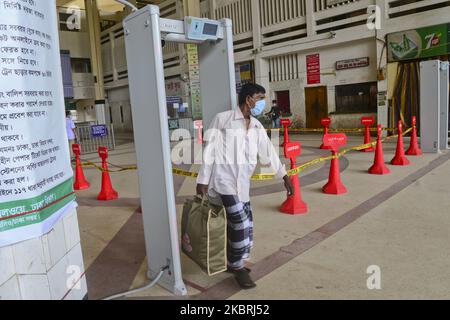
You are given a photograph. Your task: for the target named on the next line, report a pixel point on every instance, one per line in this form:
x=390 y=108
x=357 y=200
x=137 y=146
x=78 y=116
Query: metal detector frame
x=144 y=32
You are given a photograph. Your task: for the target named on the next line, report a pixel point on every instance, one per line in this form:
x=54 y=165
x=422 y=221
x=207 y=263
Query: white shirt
x=232 y=153
x=69 y=128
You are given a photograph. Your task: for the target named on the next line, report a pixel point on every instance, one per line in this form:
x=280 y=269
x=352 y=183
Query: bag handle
x=202 y=198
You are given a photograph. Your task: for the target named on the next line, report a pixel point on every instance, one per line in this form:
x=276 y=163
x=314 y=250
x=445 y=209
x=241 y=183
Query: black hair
x=249 y=90
x=67 y=113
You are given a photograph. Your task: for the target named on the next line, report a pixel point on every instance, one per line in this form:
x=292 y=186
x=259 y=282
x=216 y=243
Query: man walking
x=235 y=141
x=71 y=134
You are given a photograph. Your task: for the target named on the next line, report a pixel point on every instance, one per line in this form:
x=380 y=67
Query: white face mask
x=259 y=108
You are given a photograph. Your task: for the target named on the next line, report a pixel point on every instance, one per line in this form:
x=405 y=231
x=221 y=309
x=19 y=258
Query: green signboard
x=419 y=43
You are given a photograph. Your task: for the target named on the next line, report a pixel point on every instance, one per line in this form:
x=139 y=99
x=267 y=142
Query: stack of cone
x=379 y=167
x=294 y=203
x=414 y=149
x=334 y=185
x=107 y=193
x=80 y=182
x=400 y=158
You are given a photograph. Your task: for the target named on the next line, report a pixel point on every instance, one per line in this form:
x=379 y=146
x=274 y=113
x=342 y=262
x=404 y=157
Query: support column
x=380 y=38
x=310 y=19
x=262 y=67
x=262 y=70
x=93 y=19
x=212 y=9
x=40 y=251
x=191 y=8
x=190 y=56
x=256 y=25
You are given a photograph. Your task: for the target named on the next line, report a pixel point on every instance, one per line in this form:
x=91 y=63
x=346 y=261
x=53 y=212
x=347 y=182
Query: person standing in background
x=71 y=133
x=275 y=114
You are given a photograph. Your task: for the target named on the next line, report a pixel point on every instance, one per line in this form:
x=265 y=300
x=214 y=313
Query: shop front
x=406 y=50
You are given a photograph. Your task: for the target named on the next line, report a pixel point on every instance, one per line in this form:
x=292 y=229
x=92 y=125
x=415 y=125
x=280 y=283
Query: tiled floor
x=398 y=222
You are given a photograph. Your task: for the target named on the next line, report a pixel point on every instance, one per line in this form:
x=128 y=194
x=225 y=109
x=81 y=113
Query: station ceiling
x=105 y=6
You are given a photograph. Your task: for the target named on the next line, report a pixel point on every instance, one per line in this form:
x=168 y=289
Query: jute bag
x=204 y=234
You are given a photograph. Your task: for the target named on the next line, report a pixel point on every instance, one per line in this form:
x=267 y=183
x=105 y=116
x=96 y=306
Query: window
x=81 y=65
x=357 y=98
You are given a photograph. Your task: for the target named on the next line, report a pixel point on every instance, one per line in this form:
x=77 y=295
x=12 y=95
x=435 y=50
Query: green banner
x=419 y=43
x=20 y=213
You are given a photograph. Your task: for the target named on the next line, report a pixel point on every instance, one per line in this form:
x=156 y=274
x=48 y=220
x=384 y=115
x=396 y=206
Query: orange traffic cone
x=414 y=149
x=294 y=203
x=334 y=185
x=367 y=122
x=80 y=182
x=107 y=193
x=400 y=158
x=326 y=122
x=379 y=167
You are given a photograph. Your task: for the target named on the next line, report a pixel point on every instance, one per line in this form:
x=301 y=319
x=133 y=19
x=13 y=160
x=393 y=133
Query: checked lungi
x=239 y=230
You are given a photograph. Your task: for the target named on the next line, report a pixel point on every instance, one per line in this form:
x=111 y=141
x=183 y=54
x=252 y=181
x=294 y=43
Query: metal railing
x=90 y=143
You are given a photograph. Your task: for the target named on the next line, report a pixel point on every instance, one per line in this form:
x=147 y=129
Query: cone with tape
x=379 y=167
x=400 y=158
x=335 y=185
x=414 y=149
x=294 y=204
x=80 y=182
x=107 y=193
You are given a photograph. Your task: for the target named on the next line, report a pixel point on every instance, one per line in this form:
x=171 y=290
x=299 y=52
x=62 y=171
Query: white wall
x=86 y=111
x=329 y=76
x=76 y=42
x=83 y=86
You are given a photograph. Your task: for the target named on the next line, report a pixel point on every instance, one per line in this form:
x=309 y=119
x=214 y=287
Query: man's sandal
x=230 y=270
x=243 y=278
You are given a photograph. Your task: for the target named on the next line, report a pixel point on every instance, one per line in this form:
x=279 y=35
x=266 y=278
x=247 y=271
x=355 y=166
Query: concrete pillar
x=191 y=8
x=310 y=19
x=262 y=67
x=380 y=38
x=262 y=70
x=93 y=19
x=42 y=266
x=256 y=25
x=212 y=9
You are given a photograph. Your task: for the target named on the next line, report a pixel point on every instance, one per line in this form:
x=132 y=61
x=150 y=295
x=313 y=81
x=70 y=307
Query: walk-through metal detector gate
x=144 y=33
x=434 y=106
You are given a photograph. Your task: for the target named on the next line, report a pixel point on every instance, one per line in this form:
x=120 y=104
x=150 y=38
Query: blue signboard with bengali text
x=99 y=131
